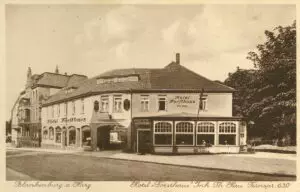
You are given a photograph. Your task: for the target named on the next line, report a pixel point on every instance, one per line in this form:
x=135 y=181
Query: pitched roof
x=58 y=80
x=173 y=77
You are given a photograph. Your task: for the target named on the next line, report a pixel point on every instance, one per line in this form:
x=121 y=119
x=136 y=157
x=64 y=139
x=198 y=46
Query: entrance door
x=144 y=141
x=103 y=137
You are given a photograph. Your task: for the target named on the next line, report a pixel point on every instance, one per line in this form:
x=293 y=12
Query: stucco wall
x=218 y=104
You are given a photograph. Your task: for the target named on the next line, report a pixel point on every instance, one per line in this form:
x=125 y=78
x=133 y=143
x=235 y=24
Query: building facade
x=165 y=110
x=26 y=112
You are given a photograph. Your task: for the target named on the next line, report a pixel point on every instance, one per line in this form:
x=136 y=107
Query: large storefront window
x=58 y=135
x=184 y=133
x=227 y=133
x=51 y=133
x=205 y=133
x=163 y=133
x=86 y=136
x=72 y=136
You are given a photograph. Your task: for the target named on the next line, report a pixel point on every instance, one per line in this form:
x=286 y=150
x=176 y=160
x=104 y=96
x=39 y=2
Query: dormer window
x=118 y=79
x=70 y=90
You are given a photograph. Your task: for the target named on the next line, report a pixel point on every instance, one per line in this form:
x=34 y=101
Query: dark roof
x=58 y=80
x=173 y=77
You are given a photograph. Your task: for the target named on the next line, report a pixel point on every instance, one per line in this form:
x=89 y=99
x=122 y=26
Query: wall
x=88 y=111
x=218 y=104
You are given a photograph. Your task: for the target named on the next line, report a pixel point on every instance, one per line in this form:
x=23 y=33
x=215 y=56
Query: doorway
x=144 y=141
x=103 y=137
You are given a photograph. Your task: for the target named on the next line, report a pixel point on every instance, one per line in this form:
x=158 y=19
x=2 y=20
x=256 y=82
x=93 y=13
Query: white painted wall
x=218 y=104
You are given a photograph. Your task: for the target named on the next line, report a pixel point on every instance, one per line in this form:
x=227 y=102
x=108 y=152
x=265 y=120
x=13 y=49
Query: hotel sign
x=182 y=101
x=66 y=120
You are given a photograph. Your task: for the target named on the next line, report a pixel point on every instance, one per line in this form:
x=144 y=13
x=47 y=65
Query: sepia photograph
x=150 y=92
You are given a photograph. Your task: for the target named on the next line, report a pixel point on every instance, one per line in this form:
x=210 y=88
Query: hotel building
x=165 y=110
x=26 y=112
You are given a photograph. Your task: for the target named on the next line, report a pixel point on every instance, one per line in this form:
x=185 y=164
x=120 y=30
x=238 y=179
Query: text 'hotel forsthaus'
x=170 y=110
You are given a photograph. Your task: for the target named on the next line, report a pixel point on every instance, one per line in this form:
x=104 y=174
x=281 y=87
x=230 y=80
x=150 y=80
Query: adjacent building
x=26 y=112
x=164 y=110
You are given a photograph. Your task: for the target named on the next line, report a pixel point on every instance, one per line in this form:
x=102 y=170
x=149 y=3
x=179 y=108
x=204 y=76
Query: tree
x=267 y=95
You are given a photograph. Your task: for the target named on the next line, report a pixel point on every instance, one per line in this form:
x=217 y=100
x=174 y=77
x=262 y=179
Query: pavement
x=259 y=162
x=12 y=175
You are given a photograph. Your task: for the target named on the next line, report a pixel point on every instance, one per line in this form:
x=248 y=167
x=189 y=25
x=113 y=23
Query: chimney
x=177 y=58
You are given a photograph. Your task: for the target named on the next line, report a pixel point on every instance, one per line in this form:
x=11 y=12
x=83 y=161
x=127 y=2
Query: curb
x=206 y=168
x=161 y=163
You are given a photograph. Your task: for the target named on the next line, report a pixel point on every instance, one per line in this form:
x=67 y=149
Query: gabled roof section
x=58 y=80
x=172 y=78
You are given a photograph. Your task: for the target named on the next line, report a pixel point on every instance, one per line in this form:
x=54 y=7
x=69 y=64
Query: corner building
x=165 y=110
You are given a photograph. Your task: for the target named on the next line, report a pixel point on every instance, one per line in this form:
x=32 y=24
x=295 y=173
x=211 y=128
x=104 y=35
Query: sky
x=91 y=39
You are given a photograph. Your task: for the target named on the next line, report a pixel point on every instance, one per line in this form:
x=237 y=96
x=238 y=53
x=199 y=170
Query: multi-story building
x=170 y=109
x=26 y=112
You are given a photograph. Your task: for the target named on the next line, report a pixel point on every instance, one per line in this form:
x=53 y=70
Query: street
x=45 y=166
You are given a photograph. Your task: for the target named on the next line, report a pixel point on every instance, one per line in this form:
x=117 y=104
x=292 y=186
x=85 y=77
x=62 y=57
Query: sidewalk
x=260 y=162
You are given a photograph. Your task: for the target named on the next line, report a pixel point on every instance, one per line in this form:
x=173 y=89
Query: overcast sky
x=90 y=39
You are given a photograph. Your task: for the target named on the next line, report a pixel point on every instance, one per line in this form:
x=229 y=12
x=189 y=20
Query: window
x=96 y=106
x=227 y=127
x=82 y=106
x=52 y=112
x=104 y=104
x=37 y=113
x=163 y=133
x=203 y=104
x=45 y=134
x=227 y=133
x=36 y=95
x=66 y=109
x=118 y=103
x=73 y=108
x=51 y=133
x=144 y=103
x=33 y=114
x=72 y=136
x=205 y=133
x=162 y=103
x=58 y=110
x=184 y=133
x=58 y=135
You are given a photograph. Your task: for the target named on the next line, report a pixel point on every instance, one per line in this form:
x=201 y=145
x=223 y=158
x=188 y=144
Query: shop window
x=144 y=103
x=184 y=133
x=86 y=138
x=162 y=103
x=58 y=135
x=72 y=136
x=227 y=133
x=227 y=139
x=205 y=133
x=118 y=103
x=51 y=133
x=163 y=133
x=104 y=104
